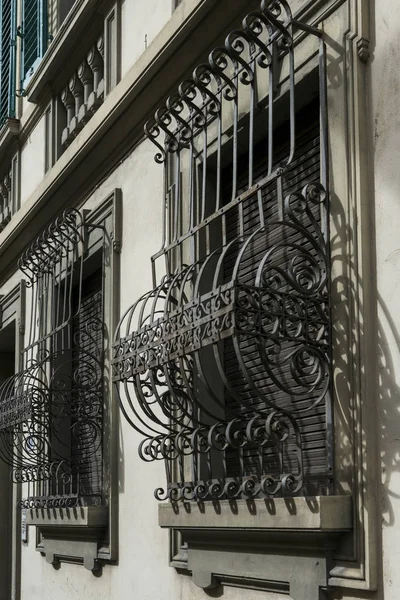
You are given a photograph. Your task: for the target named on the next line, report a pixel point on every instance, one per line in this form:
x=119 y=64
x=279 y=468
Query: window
x=12 y=322
x=55 y=413
x=233 y=344
x=55 y=404
x=34 y=34
x=7 y=59
x=224 y=367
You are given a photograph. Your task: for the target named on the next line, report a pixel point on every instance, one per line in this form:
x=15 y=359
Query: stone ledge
x=283 y=544
x=81 y=516
x=319 y=513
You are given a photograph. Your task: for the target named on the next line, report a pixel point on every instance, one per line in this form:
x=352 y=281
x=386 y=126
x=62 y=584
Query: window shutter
x=34 y=33
x=7 y=59
x=87 y=352
x=304 y=169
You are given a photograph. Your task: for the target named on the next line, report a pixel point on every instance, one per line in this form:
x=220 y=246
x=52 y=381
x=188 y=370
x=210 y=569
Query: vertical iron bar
x=219 y=149
x=325 y=225
x=235 y=83
x=251 y=123
x=292 y=116
x=204 y=172
x=260 y=207
x=271 y=87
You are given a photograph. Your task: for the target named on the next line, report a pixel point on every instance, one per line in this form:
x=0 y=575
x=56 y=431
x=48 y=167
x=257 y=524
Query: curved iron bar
x=270 y=313
x=52 y=245
x=267 y=23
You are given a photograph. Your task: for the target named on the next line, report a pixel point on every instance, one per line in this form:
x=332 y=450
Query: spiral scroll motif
x=197 y=102
x=283 y=317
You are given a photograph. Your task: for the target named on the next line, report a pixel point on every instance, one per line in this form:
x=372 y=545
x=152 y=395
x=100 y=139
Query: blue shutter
x=34 y=34
x=7 y=58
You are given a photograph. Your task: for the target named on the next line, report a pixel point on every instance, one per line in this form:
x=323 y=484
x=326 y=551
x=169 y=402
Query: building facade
x=198 y=327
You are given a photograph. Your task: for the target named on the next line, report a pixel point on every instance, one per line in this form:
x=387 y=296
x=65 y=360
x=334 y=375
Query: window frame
x=39 y=33
x=288 y=522
x=347 y=30
x=13 y=172
x=56 y=529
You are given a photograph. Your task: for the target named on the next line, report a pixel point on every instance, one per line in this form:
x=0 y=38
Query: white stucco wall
x=32 y=160
x=140 y=23
x=385 y=141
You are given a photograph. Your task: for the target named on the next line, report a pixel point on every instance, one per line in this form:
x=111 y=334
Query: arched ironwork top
x=198 y=100
x=54 y=244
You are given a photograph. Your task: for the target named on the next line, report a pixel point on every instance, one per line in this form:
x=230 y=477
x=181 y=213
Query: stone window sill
x=319 y=513
x=261 y=544
x=81 y=516
x=74 y=535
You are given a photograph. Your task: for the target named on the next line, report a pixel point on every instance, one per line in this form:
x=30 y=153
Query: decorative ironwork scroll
x=51 y=413
x=224 y=366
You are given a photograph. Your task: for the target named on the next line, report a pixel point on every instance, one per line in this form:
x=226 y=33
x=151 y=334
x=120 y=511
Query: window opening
x=54 y=406
x=224 y=367
x=34 y=35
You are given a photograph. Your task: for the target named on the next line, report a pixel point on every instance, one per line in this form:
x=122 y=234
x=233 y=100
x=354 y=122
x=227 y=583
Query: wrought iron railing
x=51 y=414
x=224 y=366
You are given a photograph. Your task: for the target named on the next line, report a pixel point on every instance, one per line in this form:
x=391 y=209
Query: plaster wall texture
x=32 y=160
x=140 y=23
x=385 y=143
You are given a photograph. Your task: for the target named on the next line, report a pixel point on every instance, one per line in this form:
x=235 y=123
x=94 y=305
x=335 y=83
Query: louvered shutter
x=7 y=59
x=304 y=169
x=34 y=32
x=86 y=410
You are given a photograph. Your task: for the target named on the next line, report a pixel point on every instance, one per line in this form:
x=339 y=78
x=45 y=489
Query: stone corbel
x=85 y=74
x=363 y=49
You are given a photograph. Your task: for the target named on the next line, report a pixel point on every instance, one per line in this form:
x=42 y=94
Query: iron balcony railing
x=224 y=366
x=51 y=413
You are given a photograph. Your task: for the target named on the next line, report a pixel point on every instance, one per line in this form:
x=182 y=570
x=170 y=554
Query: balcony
x=84 y=93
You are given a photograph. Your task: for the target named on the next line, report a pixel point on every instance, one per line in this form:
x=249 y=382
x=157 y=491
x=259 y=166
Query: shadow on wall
x=389 y=412
x=386 y=365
